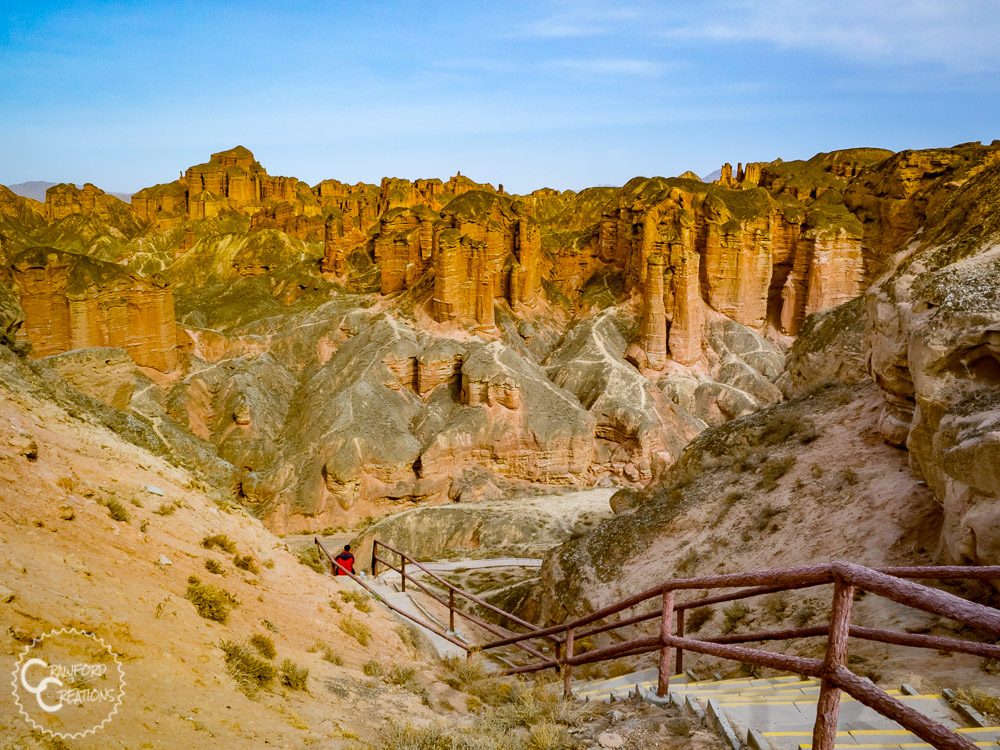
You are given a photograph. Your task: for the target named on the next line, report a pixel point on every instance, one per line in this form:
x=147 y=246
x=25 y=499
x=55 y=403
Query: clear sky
x=544 y=93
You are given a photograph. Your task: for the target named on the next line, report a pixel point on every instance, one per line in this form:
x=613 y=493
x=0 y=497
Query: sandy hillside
x=67 y=563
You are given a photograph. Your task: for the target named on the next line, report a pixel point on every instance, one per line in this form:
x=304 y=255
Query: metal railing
x=456 y=592
x=896 y=584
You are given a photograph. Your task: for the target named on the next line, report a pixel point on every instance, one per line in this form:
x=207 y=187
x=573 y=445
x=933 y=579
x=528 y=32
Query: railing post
x=666 y=630
x=679 y=660
x=375 y=558
x=451 y=610
x=402 y=571
x=567 y=668
x=828 y=707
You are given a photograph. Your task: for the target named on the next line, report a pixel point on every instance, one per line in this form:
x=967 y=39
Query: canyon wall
x=75 y=302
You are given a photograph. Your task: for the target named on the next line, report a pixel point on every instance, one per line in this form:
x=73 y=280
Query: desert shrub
x=990 y=666
x=373 y=668
x=782 y=427
x=210 y=601
x=765 y=516
x=214 y=566
x=365 y=522
x=696 y=618
x=293 y=676
x=547 y=736
x=417 y=738
x=680 y=726
x=358 y=630
x=332 y=656
x=776 y=605
x=804 y=614
x=167 y=509
x=264 y=645
x=734 y=616
x=410 y=637
x=402 y=676
x=247 y=563
x=773 y=470
x=728 y=503
x=849 y=477
x=311 y=559
x=986 y=704
x=688 y=563
x=250 y=672
x=460 y=673
x=220 y=542
x=361 y=602
x=117 y=511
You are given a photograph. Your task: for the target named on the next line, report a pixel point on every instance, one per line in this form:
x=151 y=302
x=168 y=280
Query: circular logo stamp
x=68 y=683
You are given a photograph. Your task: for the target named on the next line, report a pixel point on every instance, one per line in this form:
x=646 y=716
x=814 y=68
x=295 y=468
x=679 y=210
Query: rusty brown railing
x=895 y=584
x=453 y=610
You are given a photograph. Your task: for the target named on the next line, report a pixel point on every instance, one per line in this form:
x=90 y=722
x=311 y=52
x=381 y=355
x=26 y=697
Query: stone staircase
x=777 y=713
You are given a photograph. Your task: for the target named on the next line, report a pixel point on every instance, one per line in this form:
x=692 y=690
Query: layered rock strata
x=75 y=302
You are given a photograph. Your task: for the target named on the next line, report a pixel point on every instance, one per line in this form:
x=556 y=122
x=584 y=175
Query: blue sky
x=546 y=93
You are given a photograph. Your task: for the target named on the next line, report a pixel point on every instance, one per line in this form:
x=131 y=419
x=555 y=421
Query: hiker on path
x=346 y=559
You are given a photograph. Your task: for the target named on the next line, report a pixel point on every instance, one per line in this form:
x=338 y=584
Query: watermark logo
x=68 y=683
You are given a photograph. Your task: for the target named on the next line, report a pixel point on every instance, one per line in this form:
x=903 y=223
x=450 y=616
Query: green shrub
x=293 y=676
x=247 y=563
x=728 y=504
x=214 y=566
x=358 y=630
x=117 y=511
x=764 y=518
x=210 y=601
x=250 y=672
x=696 y=618
x=410 y=637
x=373 y=668
x=986 y=704
x=332 y=656
x=804 y=614
x=735 y=615
x=310 y=557
x=688 y=563
x=360 y=601
x=220 y=542
x=776 y=605
x=264 y=645
x=773 y=470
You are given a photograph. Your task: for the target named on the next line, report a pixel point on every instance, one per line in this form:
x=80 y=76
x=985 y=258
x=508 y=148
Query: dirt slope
x=69 y=564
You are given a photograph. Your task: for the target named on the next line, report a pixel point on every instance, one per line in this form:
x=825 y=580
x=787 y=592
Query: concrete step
x=876 y=738
x=738 y=699
x=786 y=725
x=623 y=686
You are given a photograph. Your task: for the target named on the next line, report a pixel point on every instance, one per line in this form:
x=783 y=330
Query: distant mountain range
x=36 y=190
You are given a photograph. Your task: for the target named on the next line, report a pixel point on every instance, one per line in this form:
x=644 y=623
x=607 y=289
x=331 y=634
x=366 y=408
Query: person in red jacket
x=346 y=559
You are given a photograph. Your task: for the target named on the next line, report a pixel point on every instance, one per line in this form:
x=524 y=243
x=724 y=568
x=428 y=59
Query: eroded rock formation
x=347 y=348
x=76 y=302
x=67 y=199
x=934 y=343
